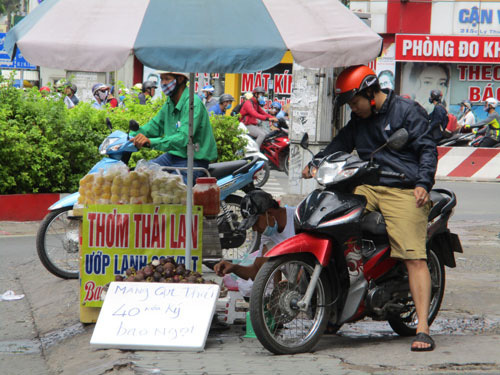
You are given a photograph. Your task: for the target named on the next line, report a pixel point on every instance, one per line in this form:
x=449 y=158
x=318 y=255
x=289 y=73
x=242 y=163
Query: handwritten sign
x=155 y=316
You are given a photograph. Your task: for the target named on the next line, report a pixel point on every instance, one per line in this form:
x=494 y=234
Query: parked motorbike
x=58 y=235
x=276 y=146
x=252 y=150
x=338 y=267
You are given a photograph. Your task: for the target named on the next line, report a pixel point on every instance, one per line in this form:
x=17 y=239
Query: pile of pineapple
x=146 y=184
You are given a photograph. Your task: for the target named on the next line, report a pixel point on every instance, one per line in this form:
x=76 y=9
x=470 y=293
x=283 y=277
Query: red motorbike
x=276 y=146
x=338 y=267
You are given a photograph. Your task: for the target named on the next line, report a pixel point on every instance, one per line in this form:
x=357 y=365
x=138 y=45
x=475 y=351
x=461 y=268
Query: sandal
x=426 y=339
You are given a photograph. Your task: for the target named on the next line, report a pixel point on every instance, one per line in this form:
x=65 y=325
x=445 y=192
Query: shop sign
x=115 y=238
x=477 y=18
x=442 y=48
x=475 y=83
x=277 y=82
x=18 y=62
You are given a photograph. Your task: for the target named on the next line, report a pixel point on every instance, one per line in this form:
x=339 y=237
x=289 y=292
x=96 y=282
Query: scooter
x=276 y=146
x=252 y=150
x=57 y=238
x=338 y=267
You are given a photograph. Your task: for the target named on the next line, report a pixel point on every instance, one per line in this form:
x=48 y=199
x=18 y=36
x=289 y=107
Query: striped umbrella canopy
x=192 y=35
x=221 y=36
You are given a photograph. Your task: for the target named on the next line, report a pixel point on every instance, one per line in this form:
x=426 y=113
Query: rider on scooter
x=492 y=130
x=405 y=204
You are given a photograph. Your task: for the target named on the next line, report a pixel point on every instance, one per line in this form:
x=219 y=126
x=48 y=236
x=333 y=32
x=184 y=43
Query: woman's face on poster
x=385 y=82
x=432 y=77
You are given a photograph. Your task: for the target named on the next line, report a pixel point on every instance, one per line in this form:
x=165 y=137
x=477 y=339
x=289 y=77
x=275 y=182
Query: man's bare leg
x=420 y=287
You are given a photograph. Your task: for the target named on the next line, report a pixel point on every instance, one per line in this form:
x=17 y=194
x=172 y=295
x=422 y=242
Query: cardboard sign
x=155 y=316
x=116 y=237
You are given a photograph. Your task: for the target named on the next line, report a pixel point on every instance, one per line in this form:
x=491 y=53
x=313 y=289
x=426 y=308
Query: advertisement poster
x=115 y=238
x=418 y=79
x=475 y=83
x=476 y=18
x=277 y=82
x=385 y=67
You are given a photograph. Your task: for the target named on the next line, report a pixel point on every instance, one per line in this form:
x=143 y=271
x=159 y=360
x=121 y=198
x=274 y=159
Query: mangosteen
x=148 y=270
x=159 y=269
x=118 y=278
x=156 y=276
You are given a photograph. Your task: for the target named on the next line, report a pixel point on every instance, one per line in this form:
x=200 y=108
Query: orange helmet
x=44 y=88
x=352 y=81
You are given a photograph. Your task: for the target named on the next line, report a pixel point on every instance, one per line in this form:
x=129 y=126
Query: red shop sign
x=444 y=48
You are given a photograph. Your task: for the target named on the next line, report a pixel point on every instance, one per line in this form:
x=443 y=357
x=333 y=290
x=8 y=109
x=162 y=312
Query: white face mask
x=102 y=95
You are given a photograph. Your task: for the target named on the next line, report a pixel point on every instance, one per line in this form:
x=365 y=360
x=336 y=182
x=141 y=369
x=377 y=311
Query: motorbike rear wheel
x=278 y=323
x=405 y=324
x=260 y=178
x=285 y=162
x=57 y=242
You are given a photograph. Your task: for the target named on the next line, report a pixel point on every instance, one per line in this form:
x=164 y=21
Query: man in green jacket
x=168 y=130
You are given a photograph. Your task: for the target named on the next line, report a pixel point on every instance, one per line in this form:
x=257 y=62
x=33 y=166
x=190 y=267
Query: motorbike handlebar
x=392 y=174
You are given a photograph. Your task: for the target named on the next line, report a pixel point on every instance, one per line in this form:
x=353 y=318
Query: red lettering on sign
x=474 y=93
x=247 y=82
x=92 y=293
x=91 y=218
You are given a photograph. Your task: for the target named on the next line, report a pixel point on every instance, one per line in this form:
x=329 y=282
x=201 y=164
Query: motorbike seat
x=373 y=223
x=438 y=202
x=226 y=168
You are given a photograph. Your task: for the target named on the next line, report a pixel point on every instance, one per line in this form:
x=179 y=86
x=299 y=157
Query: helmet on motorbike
x=353 y=81
x=466 y=104
x=226 y=98
x=276 y=105
x=98 y=86
x=208 y=88
x=435 y=95
x=148 y=85
x=491 y=102
x=258 y=90
x=254 y=204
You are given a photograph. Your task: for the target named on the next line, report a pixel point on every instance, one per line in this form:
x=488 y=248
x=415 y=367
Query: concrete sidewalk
x=467 y=331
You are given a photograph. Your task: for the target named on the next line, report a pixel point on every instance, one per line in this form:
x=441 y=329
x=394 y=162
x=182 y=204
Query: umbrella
x=230 y=36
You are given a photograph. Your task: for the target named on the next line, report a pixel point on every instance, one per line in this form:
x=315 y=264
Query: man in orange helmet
x=405 y=204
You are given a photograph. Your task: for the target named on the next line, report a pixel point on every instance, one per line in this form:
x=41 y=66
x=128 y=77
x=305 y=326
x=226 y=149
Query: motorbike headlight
x=330 y=172
x=103 y=148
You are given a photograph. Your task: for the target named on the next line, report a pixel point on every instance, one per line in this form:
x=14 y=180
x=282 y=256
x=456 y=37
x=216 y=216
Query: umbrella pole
x=190 y=159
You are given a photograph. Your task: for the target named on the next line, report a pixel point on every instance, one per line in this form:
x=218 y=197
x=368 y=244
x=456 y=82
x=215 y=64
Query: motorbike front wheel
x=279 y=324
x=57 y=243
x=405 y=324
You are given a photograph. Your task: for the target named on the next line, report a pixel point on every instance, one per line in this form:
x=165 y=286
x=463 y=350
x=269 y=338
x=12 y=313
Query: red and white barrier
x=482 y=164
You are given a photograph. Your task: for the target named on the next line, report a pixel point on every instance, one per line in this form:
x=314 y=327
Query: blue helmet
x=208 y=88
x=276 y=105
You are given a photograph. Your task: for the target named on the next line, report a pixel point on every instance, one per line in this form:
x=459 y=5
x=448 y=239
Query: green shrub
x=228 y=137
x=45 y=147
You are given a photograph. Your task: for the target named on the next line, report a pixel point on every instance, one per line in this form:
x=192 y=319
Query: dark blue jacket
x=438 y=122
x=417 y=159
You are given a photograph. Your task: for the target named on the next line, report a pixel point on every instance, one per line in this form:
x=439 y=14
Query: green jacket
x=169 y=129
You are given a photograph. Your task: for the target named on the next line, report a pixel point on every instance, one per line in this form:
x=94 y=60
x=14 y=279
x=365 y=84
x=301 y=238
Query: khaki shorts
x=406 y=224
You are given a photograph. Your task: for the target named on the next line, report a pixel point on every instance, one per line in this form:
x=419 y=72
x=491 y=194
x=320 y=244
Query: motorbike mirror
x=398 y=139
x=395 y=142
x=133 y=125
x=304 y=142
x=108 y=123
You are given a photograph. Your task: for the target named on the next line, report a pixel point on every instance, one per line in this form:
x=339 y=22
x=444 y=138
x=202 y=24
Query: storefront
x=462 y=67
